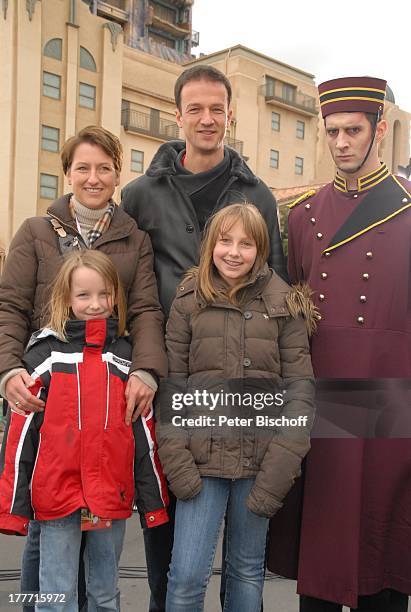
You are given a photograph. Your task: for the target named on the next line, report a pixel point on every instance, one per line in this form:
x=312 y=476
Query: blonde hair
x=220 y=223
x=60 y=311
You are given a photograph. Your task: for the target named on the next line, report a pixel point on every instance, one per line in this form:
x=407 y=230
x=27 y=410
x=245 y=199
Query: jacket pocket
x=199 y=444
x=116 y=405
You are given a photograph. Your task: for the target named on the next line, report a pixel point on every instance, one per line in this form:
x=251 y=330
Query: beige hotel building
x=71 y=63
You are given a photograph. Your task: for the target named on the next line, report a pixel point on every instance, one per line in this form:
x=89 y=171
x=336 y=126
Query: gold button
x=312 y=220
x=363 y=299
x=360 y=320
x=369 y=255
x=308 y=206
x=319 y=235
x=324 y=275
x=151 y=518
x=321 y=297
x=366 y=276
x=181 y=288
x=327 y=254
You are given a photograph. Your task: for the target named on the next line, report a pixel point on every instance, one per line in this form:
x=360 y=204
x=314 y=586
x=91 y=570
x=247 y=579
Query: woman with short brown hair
x=87 y=218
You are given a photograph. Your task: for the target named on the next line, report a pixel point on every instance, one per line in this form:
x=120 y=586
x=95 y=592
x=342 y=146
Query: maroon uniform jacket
x=354 y=250
x=79 y=453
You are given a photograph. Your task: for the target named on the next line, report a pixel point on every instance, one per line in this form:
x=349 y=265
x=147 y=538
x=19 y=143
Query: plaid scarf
x=102 y=224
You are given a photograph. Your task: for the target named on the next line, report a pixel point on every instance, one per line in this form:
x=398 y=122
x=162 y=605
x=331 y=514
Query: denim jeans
x=60 y=542
x=197 y=526
x=30 y=566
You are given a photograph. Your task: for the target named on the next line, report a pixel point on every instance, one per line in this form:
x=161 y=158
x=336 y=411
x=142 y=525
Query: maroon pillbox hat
x=352 y=94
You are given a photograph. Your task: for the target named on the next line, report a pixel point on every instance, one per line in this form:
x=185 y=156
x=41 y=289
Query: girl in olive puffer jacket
x=230 y=441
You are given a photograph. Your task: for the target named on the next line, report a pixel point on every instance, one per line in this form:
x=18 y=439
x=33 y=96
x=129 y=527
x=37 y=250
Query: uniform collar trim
x=364 y=182
x=387 y=201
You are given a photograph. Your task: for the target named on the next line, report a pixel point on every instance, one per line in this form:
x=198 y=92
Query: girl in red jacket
x=71 y=466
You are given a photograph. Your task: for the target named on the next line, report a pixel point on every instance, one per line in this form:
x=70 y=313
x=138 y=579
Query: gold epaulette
x=302 y=198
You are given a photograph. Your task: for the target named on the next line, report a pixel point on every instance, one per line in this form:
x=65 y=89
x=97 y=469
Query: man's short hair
x=198 y=73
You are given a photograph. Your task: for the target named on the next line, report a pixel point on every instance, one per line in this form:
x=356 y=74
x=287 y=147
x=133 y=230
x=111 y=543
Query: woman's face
x=92 y=176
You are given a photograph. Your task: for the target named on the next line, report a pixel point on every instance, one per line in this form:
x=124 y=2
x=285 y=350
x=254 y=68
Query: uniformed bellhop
x=350 y=241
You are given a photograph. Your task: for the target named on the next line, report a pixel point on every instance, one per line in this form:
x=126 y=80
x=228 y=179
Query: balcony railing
x=120 y=4
x=299 y=100
x=113 y=9
x=151 y=125
x=238 y=145
x=164 y=129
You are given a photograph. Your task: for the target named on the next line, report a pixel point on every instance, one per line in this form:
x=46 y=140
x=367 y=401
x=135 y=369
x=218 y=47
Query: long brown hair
x=60 y=311
x=220 y=223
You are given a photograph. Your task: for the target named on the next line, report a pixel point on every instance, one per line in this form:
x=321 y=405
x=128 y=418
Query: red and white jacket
x=79 y=453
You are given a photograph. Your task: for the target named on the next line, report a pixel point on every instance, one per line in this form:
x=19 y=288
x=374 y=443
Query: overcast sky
x=325 y=38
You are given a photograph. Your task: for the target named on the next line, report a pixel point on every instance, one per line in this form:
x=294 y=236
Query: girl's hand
x=139 y=397
x=19 y=396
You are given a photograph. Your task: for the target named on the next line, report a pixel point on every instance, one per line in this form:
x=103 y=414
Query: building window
x=137 y=161
x=48 y=186
x=274 y=158
x=275 y=121
x=87 y=96
x=87 y=60
x=51 y=85
x=299 y=165
x=300 y=129
x=164 y=13
x=162 y=40
x=289 y=92
x=269 y=87
x=54 y=48
x=50 y=138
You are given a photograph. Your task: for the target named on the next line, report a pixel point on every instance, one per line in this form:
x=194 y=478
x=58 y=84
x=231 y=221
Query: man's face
x=348 y=137
x=204 y=115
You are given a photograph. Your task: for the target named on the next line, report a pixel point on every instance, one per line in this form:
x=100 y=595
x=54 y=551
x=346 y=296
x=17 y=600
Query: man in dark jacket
x=186 y=182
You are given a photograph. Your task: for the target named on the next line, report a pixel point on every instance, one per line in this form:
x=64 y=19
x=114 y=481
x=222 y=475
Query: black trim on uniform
x=382 y=202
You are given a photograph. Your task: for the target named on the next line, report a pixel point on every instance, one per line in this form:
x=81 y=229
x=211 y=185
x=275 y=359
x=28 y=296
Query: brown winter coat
x=33 y=262
x=257 y=340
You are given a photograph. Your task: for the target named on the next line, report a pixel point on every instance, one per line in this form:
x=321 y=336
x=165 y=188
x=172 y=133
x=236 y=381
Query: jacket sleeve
x=19 y=451
x=281 y=464
x=129 y=194
x=175 y=455
x=145 y=317
x=17 y=290
x=276 y=259
x=151 y=489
